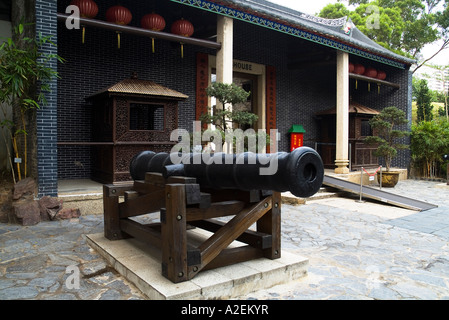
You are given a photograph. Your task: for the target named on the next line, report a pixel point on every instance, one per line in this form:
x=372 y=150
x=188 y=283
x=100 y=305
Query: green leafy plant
x=24 y=80
x=429 y=142
x=423 y=100
x=228 y=95
x=225 y=118
x=385 y=134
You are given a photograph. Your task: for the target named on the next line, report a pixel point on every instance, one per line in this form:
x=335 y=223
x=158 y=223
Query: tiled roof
x=142 y=87
x=327 y=32
x=354 y=108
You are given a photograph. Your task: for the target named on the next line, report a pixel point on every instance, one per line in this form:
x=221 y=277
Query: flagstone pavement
x=356 y=251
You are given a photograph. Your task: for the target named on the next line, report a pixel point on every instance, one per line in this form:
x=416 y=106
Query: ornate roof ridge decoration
x=327 y=22
x=288 y=21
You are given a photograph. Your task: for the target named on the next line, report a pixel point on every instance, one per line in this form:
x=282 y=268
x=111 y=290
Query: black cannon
x=190 y=191
x=301 y=172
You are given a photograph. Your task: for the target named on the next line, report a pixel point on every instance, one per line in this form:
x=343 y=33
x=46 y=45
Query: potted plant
x=387 y=137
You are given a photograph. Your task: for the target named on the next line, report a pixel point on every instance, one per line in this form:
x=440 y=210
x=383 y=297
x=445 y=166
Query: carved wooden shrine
x=130 y=116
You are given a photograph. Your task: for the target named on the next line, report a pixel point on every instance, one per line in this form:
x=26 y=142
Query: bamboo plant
x=24 y=80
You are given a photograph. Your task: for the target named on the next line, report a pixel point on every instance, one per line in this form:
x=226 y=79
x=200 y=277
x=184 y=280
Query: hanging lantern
x=182 y=28
x=119 y=15
x=153 y=22
x=381 y=75
x=88 y=9
x=351 y=67
x=359 y=69
x=370 y=72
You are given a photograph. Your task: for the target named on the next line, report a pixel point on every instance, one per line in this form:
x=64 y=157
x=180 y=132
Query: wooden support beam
x=216 y=209
x=232 y=230
x=234 y=255
x=270 y=224
x=174 y=234
x=142 y=32
x=144 y=204
x=146 y=234
x=111 y=212
x=372 y=80
x=254 y=238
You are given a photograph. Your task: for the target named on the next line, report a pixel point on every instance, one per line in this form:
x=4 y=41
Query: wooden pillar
x=342 y=141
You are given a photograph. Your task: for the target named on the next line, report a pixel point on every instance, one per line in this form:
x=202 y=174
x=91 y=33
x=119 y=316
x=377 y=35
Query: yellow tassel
x=182 y=51
x=84 y=33
x=369 y=87
x=152 y=44
x=378 y=88
x=356 y=84
x=118 y=39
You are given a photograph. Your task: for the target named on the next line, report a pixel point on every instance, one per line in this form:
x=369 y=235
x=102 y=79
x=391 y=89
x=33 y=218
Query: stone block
x=27 y=212
x=49 y=207
x=67 y=213
x=25 y=187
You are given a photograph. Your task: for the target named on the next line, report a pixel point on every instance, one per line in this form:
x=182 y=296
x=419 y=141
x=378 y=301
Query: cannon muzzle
x=300 y=172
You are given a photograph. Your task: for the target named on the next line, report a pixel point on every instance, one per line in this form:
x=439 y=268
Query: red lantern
x=359 y=69
x=351 y=67
x=119 y=15
x=153 y=22
x=88 y=9
x=183 y=28
x=370 y=72
x=381 y=75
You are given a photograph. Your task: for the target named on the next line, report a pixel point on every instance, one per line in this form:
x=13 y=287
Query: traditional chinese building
x=295 y=65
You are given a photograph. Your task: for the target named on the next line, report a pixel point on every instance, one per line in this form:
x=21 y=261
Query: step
x=323 y=193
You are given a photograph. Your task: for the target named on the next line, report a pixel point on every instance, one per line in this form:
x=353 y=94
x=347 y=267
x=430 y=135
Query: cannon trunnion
x=191 y=194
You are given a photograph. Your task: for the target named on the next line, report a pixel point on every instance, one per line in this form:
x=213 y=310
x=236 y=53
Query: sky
x=314 y=6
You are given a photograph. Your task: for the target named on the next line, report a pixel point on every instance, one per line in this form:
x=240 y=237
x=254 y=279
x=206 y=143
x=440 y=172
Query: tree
x=429 y=142
x=423 y=98
x=386 y=135
x=228 y=95
x=24 y=77
x=402 y=26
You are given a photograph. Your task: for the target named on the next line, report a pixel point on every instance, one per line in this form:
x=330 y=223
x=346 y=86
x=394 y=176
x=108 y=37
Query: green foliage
x=228 y=94
x=21 y=69
x=25 y=73
x=429 y=142
x=423 y=98
x=386 y=136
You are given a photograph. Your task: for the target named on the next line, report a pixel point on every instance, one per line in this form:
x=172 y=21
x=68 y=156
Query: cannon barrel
x=300 y=172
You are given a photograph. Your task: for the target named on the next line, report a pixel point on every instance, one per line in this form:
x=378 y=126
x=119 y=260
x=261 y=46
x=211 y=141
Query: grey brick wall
x=47 y=116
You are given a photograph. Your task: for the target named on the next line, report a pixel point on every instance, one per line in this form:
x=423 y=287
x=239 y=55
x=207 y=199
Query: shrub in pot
x=387 y=138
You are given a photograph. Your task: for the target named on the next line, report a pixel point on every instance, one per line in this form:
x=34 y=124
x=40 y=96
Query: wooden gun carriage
x=195 y=195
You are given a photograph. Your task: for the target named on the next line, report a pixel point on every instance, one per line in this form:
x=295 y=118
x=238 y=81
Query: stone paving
x=356 y=251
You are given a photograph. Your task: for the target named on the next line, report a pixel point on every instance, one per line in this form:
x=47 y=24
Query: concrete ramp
x=379 y=195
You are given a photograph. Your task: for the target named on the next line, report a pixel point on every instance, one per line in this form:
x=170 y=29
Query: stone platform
x=140 y=264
